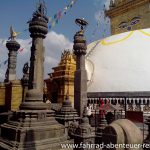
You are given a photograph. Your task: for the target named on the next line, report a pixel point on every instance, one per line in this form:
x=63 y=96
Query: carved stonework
x=79 y=44
x=82 y=133
x=67 y=114
x=12 y=47
x=80 y=82
x=38 y=28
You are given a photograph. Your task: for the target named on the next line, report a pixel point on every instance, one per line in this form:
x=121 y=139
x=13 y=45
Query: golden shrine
x=61 y=81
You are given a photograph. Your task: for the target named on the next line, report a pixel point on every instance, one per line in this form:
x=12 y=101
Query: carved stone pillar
x=13 y=47
x=80 y=82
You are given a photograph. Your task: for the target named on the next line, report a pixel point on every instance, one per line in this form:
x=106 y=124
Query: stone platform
x=32 y=130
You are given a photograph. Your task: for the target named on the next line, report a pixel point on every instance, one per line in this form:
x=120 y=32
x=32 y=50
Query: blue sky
x=18 y=12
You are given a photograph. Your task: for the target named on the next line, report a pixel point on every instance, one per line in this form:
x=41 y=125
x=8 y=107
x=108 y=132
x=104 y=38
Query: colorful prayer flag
x=50 y=19
x=57 y=21
x=59 y=15
x=50 y=26
x=53 y=23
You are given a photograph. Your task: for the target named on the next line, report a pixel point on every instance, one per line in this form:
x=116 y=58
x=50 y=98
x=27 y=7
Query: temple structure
x=126 y=15
x=61 y=80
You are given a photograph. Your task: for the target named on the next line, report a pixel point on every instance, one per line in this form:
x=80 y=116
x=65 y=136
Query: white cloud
x=54 y=45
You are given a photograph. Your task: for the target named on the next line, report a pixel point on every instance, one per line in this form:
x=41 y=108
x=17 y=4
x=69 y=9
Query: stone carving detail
x=12 y=47
x=80 y=81
x=72 y=129
x=79 y=44
x=41 y=116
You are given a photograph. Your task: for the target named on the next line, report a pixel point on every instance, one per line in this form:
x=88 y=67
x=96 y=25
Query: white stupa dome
x=120 y=63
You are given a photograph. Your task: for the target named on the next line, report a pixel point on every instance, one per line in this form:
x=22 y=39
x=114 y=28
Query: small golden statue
x=13 y=34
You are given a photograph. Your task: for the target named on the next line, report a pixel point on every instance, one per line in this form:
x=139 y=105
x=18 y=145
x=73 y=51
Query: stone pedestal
x=83 y=136
x=99 y=130
x=32 y=130
x=13 y=95
x=67 y=114
x=13 y=47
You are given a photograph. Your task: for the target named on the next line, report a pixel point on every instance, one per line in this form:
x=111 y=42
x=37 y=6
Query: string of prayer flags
x=59 y=15
x=55 y=19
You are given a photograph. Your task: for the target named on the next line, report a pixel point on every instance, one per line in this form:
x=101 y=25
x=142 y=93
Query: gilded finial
x=13 y=34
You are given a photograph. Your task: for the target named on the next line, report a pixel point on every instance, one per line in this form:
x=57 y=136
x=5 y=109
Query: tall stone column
x=12 y=47
x=38 y=29
x=80 y=82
